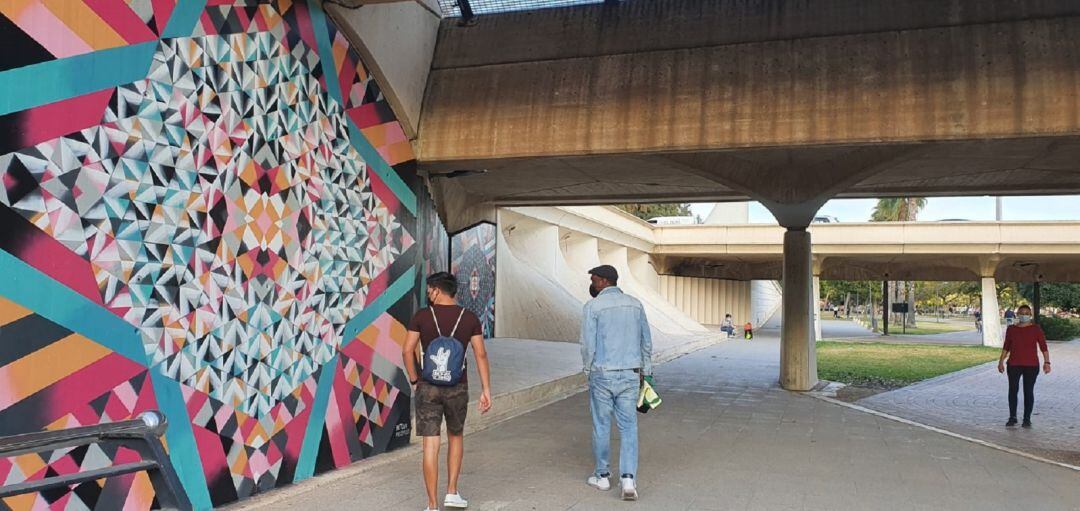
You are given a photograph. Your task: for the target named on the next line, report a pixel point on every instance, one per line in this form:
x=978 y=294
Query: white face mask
x=1024 y=318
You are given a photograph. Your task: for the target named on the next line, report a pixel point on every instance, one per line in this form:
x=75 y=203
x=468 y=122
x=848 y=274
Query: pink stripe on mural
x=122 y=19
x=307 y=32
x=377 y=286
x=345 y=77
x=207 y=23
x=162 y=12
x=88 y=383
x=384 y=193
x=64 y=117
x=365 y=116
x=338 y=418
x=51 y=33
x=215 y=465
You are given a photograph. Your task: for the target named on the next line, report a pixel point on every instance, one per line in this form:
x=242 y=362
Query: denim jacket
x=615 y=334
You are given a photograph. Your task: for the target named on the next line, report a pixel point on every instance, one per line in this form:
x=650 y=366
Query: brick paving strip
x=973 y=403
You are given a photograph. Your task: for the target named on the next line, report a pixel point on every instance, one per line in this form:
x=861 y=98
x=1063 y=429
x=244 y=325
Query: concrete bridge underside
x=784 y=102
x=787 y=103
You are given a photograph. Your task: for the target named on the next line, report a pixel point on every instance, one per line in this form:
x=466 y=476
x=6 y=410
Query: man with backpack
x=616 y=348
x=444 y=331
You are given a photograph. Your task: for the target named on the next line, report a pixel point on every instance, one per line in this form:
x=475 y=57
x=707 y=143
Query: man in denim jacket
x=616 y=348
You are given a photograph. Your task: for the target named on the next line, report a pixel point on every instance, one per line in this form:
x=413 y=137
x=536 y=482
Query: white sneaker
x=454 y=500
x=629 y=489
x=600 y=483
x=429 y=509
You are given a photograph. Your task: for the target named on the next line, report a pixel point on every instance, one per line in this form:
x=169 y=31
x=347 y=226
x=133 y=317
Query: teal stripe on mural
x=305 y=465
x=376 y=162
x=184 y=17
x=326 y=50
x=387 y=299
x=183 y=451
x=56 y=80
x=25 y=285
x=309 y=451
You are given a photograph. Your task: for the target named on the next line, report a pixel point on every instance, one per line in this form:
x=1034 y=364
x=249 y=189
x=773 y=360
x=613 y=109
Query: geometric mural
x=208 y=209
x=473 y=263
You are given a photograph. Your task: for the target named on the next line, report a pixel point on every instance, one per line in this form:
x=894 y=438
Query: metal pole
x=885 y=307
x=467 y=14
x=1036 y=302
x=997 y=208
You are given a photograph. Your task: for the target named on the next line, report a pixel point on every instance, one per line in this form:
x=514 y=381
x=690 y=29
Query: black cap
x=606 y=271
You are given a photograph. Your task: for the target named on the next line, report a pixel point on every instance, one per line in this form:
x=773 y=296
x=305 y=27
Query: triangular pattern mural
x=216 y=236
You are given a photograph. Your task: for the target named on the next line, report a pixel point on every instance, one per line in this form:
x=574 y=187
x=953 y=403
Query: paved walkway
x=973 y=402
x=849 y=330
x=546 y=361
x=726 y=438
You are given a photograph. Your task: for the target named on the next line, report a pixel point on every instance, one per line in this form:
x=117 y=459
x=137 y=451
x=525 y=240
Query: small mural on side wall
x=473 y=263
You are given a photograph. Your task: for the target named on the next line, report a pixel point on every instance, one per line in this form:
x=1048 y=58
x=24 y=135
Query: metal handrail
x=142 y=435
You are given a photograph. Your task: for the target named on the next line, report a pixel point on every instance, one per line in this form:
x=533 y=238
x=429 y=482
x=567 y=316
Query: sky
x=1065 y=207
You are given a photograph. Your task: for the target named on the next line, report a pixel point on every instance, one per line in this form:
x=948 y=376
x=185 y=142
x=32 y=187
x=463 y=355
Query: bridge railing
x=141 y=435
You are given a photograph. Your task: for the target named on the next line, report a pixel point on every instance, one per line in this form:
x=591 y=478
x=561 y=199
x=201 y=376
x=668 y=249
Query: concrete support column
x=991 y=331
x=798 y=360
x=815 y=306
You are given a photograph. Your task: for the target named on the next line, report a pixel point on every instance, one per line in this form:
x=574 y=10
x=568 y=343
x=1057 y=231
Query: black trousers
x=1029 y=373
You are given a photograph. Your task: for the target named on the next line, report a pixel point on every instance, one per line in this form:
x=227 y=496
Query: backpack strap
x=460 y=314
x=436 y=320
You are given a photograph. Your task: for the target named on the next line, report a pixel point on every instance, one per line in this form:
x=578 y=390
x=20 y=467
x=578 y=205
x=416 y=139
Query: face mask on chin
x=593 y=291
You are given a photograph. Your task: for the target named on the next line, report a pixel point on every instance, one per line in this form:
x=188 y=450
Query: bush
x=1060 y=329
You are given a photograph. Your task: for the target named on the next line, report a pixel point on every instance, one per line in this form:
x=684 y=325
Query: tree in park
x=1059 y=295
x=900 y=209
x=647 y=211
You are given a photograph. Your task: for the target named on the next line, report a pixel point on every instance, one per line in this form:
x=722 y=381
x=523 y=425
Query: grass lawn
x=873 y=364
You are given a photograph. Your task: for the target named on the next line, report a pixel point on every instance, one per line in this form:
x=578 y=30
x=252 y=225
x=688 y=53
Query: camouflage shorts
x=433 y=402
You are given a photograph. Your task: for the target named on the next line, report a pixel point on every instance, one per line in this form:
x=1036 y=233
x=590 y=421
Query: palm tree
x=900 y=209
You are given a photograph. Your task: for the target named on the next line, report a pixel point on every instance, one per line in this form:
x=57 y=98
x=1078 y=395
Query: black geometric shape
x=19 y=48
x=19 y=181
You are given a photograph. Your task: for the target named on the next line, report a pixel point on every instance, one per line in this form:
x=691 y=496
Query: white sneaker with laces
x=600 y=483
x=454 y=500
x=629 y=489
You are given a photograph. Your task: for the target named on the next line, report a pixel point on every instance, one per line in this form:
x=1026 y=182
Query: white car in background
x=826 y=219
x=673 y=220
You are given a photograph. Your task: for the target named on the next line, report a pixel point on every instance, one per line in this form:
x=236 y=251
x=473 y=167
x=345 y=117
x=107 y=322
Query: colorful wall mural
x=472 y=261
x=207 y=209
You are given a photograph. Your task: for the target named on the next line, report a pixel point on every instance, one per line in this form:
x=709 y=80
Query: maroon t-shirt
x=447 y=315
x=1021 y=343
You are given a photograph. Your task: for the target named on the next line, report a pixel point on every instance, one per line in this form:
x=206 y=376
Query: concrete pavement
x=973 y=402
x=726 y=438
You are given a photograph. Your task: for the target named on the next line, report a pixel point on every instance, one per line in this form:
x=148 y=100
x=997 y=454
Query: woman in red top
x=1021 y=341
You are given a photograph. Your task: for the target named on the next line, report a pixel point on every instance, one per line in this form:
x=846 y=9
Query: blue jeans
x=614 y=391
